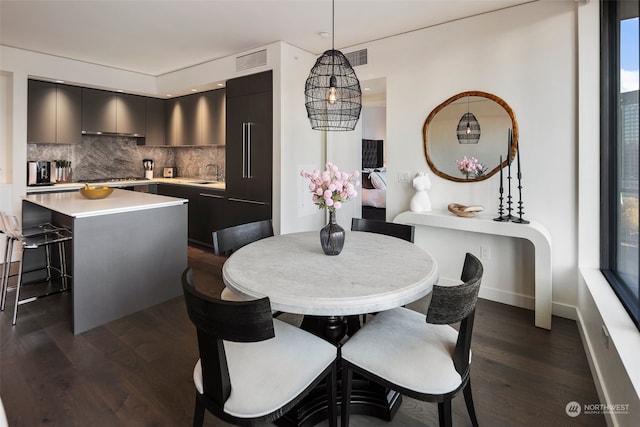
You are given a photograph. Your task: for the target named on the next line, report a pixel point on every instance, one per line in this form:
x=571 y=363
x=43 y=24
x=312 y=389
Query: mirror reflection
x=465 y=136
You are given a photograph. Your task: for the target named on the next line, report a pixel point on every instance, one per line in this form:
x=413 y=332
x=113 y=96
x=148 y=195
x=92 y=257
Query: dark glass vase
x=332 y=236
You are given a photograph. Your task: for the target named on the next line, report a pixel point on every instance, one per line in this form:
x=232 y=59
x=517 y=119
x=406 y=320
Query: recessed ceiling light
x=194 y=90
x=323 y=34
x=169 y=94
x=120 y=90
x=59 y=81
x=221 y=84
x=366 y=88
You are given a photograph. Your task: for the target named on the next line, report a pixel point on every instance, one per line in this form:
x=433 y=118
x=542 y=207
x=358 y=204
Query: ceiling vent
x=359 y=57
x=252 y=60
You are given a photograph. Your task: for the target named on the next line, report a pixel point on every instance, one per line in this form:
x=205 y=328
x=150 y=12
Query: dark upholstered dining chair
x=253 y=368
x=401 y=231
x=428 y=361
x=228 y=240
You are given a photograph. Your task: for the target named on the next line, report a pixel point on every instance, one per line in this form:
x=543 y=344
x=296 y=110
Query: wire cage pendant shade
x=332 y=93
x=468 y=130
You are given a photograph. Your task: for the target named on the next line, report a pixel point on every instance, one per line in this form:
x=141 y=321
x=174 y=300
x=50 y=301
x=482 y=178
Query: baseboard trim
x=523 y=301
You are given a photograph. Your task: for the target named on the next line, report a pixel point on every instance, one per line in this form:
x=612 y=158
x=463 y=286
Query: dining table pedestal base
x=330 y=328
x=367 y=398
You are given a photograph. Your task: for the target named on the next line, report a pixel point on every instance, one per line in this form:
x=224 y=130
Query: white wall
x=6 y=131
x=527 y=56
x=300 y=146
x=374 y=122
x=5 y=126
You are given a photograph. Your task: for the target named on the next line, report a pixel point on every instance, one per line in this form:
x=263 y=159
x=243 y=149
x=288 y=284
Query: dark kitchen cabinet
x=213 y=117
x=197 y=119
x=207 y=210
x=131 y=114
x=241 y=211
x=53 y=113
x=181 y=120
x=211 y=215
x=112 y=112
x=249 y=149
x=98 y=111
x=155 y=132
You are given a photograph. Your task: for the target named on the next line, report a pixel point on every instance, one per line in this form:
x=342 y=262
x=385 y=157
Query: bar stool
x=44 y=235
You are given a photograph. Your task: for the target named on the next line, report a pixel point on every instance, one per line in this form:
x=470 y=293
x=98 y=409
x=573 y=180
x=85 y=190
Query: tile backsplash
x=100 y=156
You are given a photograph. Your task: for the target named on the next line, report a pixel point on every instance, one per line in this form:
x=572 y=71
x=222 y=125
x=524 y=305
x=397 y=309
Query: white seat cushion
x=228 y=295
x=266 y=375
x=401 y=347
x=3 y=416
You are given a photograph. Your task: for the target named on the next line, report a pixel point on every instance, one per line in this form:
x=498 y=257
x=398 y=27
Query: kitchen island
x=128 y=250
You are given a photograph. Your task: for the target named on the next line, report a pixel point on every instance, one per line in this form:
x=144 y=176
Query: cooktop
x=116 y=179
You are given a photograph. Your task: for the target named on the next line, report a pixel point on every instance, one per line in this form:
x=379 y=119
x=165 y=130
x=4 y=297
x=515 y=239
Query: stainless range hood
x=95 y=132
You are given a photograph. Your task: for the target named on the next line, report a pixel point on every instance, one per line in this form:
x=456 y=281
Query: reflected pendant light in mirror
x=468 y=130
x=332 y=91
x=441 y=144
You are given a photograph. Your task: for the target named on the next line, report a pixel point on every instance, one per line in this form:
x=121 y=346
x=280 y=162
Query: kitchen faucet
x=217 y=176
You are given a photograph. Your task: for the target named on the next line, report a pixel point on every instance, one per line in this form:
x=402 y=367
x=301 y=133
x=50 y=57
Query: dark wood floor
x=137 y=371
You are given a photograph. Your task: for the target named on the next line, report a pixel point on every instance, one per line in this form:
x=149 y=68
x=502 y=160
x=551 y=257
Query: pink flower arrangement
x=471 y=167
x=331 y=187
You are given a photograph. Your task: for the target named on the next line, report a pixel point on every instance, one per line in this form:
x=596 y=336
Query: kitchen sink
x=202 y=182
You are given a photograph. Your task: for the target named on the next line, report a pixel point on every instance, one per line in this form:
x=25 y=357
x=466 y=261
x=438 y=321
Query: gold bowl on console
x=91 y=192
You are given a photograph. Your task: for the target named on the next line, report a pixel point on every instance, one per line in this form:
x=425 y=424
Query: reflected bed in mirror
x=374 y=180
x=469 y=124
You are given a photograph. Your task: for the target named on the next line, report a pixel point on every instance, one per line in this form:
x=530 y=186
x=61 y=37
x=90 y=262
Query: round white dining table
x=373 y=273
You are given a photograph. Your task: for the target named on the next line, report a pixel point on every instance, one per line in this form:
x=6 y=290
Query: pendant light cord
x=333 y=36
x=333 y=24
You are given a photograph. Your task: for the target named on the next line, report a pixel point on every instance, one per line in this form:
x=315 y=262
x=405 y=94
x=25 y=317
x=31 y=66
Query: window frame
x=609 y=152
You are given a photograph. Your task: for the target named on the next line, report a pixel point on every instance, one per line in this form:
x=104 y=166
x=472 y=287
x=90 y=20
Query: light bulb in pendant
x=333 y=97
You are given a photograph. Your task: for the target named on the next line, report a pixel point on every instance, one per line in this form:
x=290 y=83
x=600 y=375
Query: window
x=619 y=150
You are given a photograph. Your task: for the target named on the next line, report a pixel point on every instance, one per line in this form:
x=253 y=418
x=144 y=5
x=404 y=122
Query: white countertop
x=73 y=204
x=195 y=182
x=373 y=273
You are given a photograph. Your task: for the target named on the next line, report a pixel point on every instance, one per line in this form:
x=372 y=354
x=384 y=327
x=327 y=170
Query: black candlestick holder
x=509 y=216
x=501 y=216
x=501 y=198
x=520 y=219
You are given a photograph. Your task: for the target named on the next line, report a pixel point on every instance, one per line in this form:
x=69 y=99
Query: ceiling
x=155 y=37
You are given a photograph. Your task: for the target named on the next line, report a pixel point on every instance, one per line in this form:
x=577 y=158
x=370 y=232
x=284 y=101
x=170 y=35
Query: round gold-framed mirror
x=471 y=124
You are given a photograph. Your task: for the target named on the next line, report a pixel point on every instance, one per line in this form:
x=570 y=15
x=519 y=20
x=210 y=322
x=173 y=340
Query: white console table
x=533 y=232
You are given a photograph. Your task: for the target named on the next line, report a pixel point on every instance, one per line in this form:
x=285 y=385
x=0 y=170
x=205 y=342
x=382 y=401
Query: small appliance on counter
x=170 y=172
x=148 y=168
x=38 y=173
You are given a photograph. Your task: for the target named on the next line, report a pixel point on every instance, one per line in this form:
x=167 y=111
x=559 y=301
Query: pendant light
x=332 y=91
x=468 y=130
